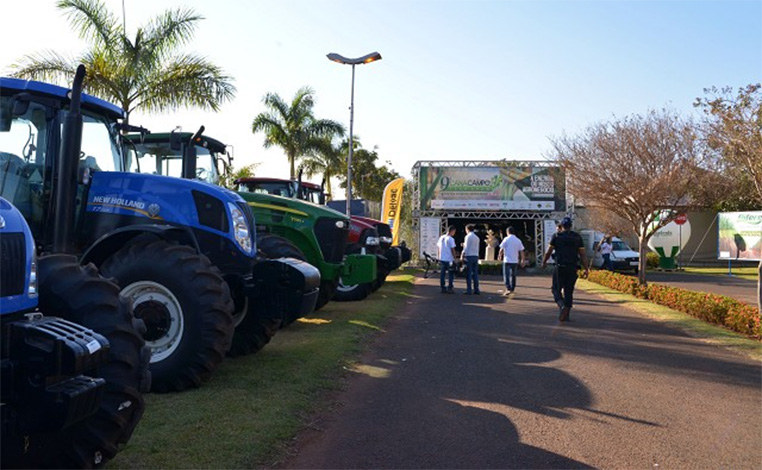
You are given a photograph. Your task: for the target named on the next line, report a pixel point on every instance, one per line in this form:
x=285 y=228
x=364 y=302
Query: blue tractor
x=73 y=362
x=184 y=252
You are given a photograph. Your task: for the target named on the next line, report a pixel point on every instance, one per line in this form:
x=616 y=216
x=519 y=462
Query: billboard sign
x=487 y=188
x=740 y=235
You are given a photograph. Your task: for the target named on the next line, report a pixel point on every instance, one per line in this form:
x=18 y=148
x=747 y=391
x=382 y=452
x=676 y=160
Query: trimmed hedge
x=712 y=308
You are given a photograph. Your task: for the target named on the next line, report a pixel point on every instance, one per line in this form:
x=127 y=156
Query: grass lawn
x=248 y=413
x=744 y=272
x=698 y=328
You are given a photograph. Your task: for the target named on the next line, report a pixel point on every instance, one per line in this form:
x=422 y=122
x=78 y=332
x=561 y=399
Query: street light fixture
x=366 y=59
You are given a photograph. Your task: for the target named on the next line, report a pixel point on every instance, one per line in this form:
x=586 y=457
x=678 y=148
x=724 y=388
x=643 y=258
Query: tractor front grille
x=12 y=264
x=332 y=239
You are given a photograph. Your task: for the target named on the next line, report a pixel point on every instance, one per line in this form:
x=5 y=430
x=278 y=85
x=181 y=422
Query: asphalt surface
x=462 y=381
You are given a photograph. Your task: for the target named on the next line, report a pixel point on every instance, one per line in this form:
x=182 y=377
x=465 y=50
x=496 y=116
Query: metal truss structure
x=444 y=214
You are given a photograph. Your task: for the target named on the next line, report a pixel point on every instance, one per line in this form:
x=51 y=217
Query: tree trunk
x=643 y=250
x=759 y=286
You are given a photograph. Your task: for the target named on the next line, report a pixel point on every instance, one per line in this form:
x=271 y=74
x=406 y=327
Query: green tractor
x=285 y=227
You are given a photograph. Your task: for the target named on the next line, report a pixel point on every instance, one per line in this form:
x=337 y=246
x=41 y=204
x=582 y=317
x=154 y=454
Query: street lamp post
x=366 y=59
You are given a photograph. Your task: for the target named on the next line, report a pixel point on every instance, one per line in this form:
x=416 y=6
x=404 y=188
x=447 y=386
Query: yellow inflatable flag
x=390 y=210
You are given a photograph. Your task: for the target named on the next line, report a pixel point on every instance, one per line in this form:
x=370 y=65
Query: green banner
x=532 y=188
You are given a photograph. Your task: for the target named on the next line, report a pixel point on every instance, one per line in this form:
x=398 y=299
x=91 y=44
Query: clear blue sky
x=459 y=80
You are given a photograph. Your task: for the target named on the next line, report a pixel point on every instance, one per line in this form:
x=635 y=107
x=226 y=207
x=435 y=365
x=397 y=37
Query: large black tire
x=327 y=291
x=274 y=247
x=252 y=332
x=255 y=328
x=352 y=292
x=186 y=305
x=381 y=275
x=78 y=294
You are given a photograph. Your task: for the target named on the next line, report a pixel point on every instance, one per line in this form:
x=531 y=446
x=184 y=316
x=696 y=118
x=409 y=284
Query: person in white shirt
x=446 y=255
x=605 y=248
x=512 y=254
x=470 y=255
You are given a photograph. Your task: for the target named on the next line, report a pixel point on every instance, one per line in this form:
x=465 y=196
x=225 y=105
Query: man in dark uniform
x=570 y=250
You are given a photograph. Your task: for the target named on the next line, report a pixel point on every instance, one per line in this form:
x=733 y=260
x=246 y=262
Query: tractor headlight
x=33 y=277
x=241 y=230
x=372 y=241
x=340 y=224
x=385 y=239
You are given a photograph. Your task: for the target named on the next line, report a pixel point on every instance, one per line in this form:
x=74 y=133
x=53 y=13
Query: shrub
x=712 y=308
x=652 y=260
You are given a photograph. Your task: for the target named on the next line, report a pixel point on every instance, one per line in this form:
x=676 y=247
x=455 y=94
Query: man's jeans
x=564 y=280
x=509 y=275
x=472 y=273
x=444 y=267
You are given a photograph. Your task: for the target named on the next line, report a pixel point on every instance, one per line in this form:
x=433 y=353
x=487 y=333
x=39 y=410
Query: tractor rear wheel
x=186 y=305
x=78 y=294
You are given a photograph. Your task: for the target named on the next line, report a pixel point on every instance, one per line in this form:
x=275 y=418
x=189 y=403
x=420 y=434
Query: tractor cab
x=149 y=153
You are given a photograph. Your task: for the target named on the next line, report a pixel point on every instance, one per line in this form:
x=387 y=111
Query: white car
x=623 y=257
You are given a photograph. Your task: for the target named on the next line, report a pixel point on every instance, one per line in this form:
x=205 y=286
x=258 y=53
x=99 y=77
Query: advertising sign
x=548 y=229
x=670 y=240
x=526 y=188
x=430 y=232
x=740 y=235
x=391 y=208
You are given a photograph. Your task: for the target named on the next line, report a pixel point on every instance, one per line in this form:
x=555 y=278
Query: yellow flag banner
x=390 y=210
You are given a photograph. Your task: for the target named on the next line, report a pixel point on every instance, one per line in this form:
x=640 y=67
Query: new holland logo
x=2 y=222
x=153 y=210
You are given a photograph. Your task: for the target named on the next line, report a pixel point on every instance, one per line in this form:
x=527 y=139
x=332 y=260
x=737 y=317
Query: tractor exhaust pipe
x=66 y=188
x=189 y=159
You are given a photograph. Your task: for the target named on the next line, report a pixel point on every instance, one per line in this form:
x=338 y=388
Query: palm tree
x=293 y=127
x=325 y=159
x=146 y=73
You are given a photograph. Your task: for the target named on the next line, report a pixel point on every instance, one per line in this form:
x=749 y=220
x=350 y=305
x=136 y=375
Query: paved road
x=738 y=288
x=483 y=382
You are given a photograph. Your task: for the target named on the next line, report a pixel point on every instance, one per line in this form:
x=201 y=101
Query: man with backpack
x=570 y=250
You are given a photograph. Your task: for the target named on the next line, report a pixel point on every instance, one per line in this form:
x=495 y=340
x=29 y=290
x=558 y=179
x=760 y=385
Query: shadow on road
x=467 y=378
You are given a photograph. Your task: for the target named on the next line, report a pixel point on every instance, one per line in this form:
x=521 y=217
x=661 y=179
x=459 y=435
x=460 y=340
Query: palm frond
x=275 y=134
x=275 y=103
x=171 y=29
x=184 y=81
x=326 y=127
x=91 y=20
x=46 y=66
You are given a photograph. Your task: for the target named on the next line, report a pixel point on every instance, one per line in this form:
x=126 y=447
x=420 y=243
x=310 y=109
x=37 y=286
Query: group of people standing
x=565 y=246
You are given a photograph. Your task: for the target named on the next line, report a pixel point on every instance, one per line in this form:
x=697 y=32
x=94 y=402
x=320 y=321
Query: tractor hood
x=293 y=207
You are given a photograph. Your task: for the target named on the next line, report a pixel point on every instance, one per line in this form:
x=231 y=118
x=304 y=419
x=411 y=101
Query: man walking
x=471 y=256
x=446 y=255
x=512 y=253
x=570 y=250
